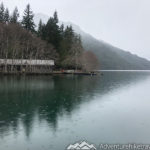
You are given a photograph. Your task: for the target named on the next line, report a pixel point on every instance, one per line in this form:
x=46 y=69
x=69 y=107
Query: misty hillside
x=110 y=57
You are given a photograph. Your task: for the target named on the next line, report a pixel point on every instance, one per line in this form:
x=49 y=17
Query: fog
x=122 y=23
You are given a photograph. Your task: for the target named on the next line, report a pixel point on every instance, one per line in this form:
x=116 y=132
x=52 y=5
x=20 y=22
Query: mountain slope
x=110 y=57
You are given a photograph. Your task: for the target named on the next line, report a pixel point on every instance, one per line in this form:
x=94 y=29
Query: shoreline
x=51 y=73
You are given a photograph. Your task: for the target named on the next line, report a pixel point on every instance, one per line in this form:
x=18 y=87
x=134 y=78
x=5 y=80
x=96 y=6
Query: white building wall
x=26 y=62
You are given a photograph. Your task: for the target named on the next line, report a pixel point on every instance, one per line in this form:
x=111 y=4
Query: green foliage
x=72 y=51
x=15 y=16
x=40 y=28
x=58 y=42
x=66 y=42
x=6 y=16
x=55 y=17
x=2 y=12
x=51 y=31
x=28 y=22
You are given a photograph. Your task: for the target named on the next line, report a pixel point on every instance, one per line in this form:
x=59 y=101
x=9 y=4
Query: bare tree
x=17 y=43
x=89 y=61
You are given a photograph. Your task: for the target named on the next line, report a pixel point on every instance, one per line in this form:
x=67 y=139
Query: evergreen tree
x=62 y=30
x=52 y=31
x=68 y=37
x=66 y=42
x=55 y=17
x=2 y=11
x=15 y=16
x=28 y=22
x=6 y=16
x=40 y=28
x=70 y=49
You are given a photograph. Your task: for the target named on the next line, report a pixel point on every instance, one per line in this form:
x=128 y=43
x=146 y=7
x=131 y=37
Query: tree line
x=20 y=39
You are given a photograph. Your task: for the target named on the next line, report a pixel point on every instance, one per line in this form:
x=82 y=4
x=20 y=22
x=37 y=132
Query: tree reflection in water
x=25 y=98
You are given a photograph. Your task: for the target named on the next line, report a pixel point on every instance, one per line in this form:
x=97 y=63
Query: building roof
x=27 y=62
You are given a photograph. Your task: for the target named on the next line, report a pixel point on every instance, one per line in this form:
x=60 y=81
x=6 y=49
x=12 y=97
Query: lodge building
x=26 y=66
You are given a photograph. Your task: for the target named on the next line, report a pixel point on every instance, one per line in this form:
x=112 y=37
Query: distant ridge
x=110 y=57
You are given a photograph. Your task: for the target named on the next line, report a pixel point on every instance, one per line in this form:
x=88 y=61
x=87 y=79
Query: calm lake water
x=51 y=112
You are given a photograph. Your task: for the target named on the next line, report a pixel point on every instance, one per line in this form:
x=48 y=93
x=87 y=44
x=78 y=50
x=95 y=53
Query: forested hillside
x=110 y=57
x=66 y=43
x=21 y=39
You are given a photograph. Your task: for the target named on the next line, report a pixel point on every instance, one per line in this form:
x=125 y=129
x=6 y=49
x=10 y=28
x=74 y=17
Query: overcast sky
x=122 y=23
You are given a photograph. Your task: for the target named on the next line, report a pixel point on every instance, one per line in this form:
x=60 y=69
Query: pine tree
x=52 y=31
x=68 y=36
x=2 y=11
x=40 y=28
x=28 y=22
x=71 y=49
x=55 y=17
x=66 y=42
x=6 y=16
x=62 y=30
x=15 y=16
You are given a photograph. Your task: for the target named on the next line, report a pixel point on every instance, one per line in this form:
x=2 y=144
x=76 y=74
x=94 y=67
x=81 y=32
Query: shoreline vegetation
x=21 y=40
x=65 y=72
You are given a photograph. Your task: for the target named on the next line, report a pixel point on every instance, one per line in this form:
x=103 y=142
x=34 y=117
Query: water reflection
x=24 y=99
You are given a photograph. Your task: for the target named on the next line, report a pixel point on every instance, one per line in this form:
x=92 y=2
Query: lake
x=51 y=112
